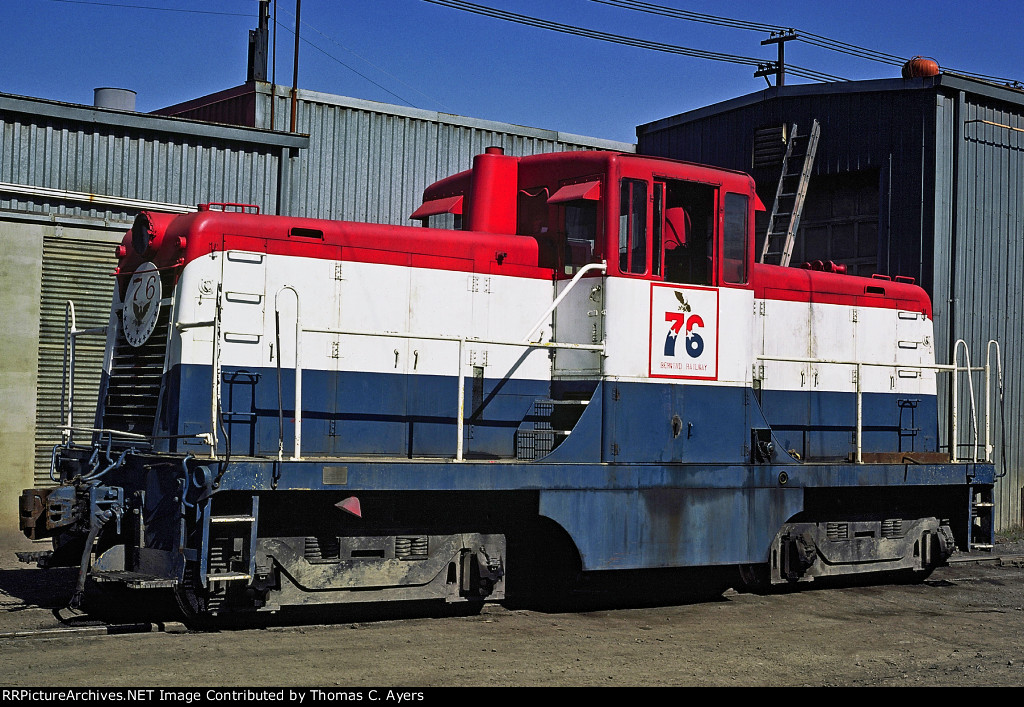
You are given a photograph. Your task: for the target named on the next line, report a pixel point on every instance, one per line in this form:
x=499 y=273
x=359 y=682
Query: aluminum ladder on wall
x=789 y=196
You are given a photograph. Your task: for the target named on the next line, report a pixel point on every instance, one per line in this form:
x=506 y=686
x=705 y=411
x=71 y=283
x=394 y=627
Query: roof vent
x=116 y=98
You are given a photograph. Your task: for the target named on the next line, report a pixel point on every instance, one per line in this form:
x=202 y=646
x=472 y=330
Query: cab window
x=580 y=220
x=687 y=227
x=734 y=239
x=451 y=222
x=575 y=210
x=633 y=227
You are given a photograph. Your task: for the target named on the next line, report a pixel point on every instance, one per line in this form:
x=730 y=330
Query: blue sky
x=412 y=52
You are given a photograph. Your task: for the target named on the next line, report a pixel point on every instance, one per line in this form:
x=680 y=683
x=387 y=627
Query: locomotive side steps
x=220 y=533
x=546 y=426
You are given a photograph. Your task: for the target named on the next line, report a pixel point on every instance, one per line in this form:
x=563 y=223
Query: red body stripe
x=409 y=246
x=470 y=251
x=773 y=282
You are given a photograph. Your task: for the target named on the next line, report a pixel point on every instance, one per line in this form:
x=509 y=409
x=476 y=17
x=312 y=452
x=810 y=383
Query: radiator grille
x=133 y=389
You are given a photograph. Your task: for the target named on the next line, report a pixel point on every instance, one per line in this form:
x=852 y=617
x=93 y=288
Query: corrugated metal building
x=369 y=161
x=920 y=177
x=73 y=177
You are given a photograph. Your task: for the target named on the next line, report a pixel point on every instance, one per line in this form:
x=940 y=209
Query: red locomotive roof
x=801 y=285
x=483 y=253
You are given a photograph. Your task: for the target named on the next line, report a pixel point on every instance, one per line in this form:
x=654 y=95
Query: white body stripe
x=358 y=296
x=364 y=297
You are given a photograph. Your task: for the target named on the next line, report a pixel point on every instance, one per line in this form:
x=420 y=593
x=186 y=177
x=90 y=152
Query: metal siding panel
x=112 y=161
x=989 y=299
x=370 y=162
x=79 y=270
x=945 y=132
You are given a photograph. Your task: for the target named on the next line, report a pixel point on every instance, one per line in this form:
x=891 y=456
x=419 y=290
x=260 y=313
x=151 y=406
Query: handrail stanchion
x=970 y=386
x=954 y=406
x=988 y=392
x=860 y=416
x=988 y=406
x=297 y=451
x=462 y=403
x=590 y=267
x=280 y=396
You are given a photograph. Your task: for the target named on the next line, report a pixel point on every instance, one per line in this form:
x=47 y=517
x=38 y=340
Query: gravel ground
x=962 y=627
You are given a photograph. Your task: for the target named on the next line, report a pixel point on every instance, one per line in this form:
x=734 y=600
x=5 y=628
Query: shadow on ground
x=46 y=589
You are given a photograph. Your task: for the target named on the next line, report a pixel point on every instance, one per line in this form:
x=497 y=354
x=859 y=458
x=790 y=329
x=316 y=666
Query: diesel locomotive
x=572 y=365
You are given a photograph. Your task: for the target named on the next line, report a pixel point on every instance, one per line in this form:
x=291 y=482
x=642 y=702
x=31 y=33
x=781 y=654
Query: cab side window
x=451 y=222
x=581 y=232
x=633 y=227
x=734 y=239
x=574 y=209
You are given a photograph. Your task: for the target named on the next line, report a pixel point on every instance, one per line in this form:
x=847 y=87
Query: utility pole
x=295 y=66
x=258 y=46
x=273 y=72
x=779 y=67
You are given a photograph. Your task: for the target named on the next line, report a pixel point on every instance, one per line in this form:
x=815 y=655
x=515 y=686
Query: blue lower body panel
x=347 y=413
x=628 y=516
x=644 y=528
x=822 y=425
x=703 y=423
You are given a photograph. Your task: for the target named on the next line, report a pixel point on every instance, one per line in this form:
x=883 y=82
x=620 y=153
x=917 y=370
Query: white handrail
x=880 y=364
x=461 y=340
x=444 y=337
x=954 y=442
x=590 y=267
x=215 y=388
x=953 y=368
x=988 y=392
x=297 y=450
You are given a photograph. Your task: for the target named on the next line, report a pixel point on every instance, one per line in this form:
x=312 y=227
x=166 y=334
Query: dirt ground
x=962 y=627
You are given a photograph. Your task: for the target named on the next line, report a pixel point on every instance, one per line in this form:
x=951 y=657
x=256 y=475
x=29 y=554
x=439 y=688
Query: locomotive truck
x=573 y=365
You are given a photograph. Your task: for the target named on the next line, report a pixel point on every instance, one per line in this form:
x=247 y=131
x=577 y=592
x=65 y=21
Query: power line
x=127 y=6
x=694 y=16
x=326 y=53
x=811 y=38
x=363 y=59
x=622 y=39
x=131 y=6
